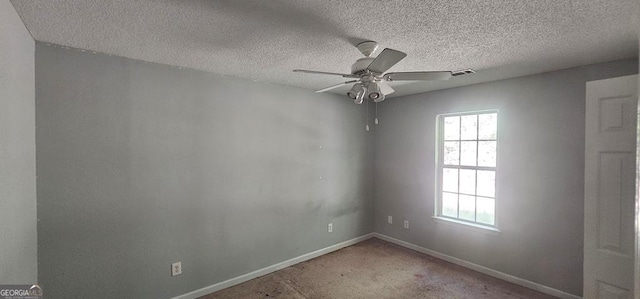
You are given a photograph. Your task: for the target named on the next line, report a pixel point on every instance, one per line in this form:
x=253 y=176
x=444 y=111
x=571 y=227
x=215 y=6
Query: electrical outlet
x=390 y=219
x=330 y=227
x=406 y=224
x=176 y=268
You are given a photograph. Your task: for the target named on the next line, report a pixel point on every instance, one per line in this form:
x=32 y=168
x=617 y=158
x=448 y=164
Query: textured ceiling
x=264 y=40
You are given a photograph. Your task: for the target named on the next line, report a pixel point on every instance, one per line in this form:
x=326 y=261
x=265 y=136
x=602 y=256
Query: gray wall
x=18 y=247
x=539 y=181
x=141 y=165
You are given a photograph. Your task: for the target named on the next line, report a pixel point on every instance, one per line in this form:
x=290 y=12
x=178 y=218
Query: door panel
x=615 y=203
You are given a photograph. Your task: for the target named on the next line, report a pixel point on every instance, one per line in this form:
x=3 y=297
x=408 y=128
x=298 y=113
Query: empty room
x=319 y=149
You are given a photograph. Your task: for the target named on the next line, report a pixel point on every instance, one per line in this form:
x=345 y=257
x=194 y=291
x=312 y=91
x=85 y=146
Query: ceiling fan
x=371 y=81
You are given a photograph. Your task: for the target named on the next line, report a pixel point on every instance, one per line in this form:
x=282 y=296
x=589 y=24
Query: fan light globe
x=374 y=91
x=357 y=93
x=361 y=94
x=355 y=90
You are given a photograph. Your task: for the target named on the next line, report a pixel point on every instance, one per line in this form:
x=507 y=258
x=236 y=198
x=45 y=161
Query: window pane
x=486 y=183
x=451 y=153
x=449 y=204
x=469 y=127
x=468 y=156
x=467 y=207
x=468 y=181
x=452 y=128
x=487 y=153
x=486 y=210
x=488 y=126
x=450 y=179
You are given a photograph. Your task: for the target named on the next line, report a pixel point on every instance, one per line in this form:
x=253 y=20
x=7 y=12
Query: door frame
x=636 y=288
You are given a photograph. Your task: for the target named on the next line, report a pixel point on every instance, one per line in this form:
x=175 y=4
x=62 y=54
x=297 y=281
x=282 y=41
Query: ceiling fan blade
x=385 y=89
x=336 y=86
x=418 y=76
x=385 y=60
x=323 y=73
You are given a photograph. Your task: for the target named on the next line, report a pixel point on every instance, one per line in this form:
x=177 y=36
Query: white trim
x=467 y=225
x=482 y=269
x=266 y=270
x=636 y=290
x=439 y=160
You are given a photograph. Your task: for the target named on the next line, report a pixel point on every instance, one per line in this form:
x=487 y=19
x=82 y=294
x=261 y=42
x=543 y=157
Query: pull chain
x=376 y=120
x=367 y=126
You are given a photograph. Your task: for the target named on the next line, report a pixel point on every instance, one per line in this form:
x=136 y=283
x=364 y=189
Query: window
x=466 y=167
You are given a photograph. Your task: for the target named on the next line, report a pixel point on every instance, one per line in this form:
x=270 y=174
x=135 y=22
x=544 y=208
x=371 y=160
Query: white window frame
x=439 y=173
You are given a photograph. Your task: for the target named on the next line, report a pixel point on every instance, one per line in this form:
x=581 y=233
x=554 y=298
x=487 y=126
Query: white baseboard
x=482 y=269
x=305 y=257
x=264 y=271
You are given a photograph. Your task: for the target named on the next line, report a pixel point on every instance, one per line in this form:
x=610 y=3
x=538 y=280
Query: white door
x=609 y=207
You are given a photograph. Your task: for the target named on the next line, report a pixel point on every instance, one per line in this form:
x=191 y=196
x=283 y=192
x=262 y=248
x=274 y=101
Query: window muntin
x=467 y=159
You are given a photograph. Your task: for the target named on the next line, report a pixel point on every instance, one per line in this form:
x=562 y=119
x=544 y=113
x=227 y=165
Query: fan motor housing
x=361 y=64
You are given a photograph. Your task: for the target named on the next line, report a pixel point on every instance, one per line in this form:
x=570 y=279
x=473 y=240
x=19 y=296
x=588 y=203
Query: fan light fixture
x=355 y=90
x=357 y=93
x=374 y=92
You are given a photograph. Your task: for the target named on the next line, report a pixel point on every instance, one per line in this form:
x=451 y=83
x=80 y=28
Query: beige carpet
x=376 y=269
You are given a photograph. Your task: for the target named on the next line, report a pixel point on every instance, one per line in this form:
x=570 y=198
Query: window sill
x=466 y=225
